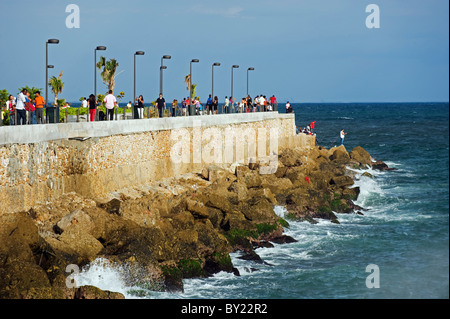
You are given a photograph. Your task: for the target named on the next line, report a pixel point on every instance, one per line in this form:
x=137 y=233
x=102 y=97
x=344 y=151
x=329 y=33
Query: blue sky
x=302 y=50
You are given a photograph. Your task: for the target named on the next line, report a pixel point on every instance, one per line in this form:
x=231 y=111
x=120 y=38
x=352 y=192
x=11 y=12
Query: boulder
x=290 y=157
x=361 y=156
x=339 y=154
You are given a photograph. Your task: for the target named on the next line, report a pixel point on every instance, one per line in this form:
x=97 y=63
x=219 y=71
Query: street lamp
x=51 y=41
x=232 y=69
x=191 y=105
x=134 y=101
x=212 y=89
x=99 y=48
x=249 y=69
x=164 y=57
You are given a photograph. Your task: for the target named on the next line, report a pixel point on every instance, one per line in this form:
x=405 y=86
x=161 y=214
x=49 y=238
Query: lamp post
x=191 y=105
x=232 y=69
x=249 y=69
x=212 y=88
x=164 y=57
x=134 y=96
x=99 y=48
x=51 y=41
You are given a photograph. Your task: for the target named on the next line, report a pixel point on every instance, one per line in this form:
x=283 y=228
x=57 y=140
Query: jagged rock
x=381 y=166
x=339 y=154
x=342 y=181
x=291 y=157
x=284 y=239
x=90 y=292
x=77 y=217
x=361 y=156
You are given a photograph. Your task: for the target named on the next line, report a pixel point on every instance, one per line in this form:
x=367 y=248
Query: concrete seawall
x=39 y=163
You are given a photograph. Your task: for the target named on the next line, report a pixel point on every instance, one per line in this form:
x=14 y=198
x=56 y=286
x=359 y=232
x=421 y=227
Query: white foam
x=280 y=211
x=103 y=275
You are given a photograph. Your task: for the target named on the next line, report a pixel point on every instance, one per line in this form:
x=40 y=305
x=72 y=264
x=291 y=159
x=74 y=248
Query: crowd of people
x=23 y=109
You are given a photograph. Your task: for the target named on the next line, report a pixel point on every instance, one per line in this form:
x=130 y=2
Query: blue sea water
x=404 y=232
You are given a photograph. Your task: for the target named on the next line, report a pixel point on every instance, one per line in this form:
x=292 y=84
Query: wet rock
x=381 y=166
x=361 y=156
x=284 y=239
x=90 y=292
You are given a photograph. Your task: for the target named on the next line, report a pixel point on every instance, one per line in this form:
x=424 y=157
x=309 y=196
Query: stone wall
x=94 y=159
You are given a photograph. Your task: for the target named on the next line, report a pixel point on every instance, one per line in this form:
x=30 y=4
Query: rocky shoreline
x=178 y=228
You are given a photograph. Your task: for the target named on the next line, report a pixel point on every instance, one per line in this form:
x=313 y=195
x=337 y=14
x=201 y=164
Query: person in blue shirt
x=209 y=104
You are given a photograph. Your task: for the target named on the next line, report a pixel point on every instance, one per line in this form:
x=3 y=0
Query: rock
x=112 y=206
x=198 y=209
x=78 y=218
x=339 y=154
x=251 y=255
x=342 y=181
x=361 y=156
x=381 y=166
x=284 y=239
x=367 y=174
x=90 y=292
x=290 y=157
x=262 y=244
x=259 y=210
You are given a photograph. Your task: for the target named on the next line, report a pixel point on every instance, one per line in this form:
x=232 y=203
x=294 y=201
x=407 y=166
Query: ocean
x=399 y=248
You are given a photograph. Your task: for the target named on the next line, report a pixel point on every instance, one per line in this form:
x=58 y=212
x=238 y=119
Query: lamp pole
x=191 y=105
x=212 y=88
x=134 y=96
x=51 y=41
x=164 y=57
x=232 y=69
x=249 y=69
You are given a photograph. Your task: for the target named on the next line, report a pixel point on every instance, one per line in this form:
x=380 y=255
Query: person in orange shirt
x=40 y=103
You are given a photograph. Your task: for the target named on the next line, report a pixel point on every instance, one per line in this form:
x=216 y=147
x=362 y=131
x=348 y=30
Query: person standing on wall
x=110 y=103
x=174 y=108
x=11 y=107
x=20 y=108
x=227 y=104
x=92 y=104
x=215 y=105
x=40 y=103
x=161 y=103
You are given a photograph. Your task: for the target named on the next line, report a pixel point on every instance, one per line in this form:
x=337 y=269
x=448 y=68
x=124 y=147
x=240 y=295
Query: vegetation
x=108 y=72
x=187 y=81
x=57 y=85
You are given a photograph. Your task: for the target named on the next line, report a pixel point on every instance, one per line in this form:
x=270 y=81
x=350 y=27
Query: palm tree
x=56 y=84
x=187 y=81
x=109 y=72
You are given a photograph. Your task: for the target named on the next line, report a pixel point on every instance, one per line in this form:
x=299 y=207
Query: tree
x=187 y=81
x=32 y=91
x=4 y=97
x=109 y=69
x=56 y=84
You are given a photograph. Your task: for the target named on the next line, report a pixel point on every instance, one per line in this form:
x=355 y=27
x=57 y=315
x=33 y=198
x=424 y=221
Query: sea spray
x=126 y=279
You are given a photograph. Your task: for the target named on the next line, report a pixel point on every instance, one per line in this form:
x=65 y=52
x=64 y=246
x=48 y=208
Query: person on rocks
x=342 y=136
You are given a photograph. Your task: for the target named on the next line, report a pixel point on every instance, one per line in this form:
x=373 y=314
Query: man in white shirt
x=84 y=103
x=20 y=108
x=227 y=104
x=261 y=103
x=110 y=103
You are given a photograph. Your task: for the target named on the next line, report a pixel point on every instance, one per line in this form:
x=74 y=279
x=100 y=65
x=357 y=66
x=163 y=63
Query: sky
x=303 y=51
